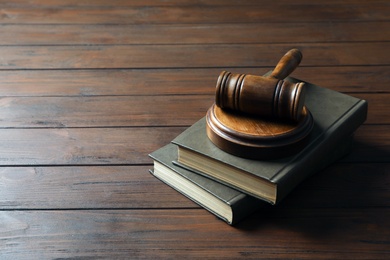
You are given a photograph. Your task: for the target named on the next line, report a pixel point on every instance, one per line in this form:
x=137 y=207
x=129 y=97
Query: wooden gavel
x=269 y=96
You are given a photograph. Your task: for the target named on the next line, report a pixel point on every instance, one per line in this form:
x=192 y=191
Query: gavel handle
x=287 y=64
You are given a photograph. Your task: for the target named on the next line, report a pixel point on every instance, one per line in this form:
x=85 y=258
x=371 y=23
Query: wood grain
x=187 y=56
x=165 y=234
x=125 y=82
x=188 y=3
x=128 y=111
x=89 y=88
x=44 y=34
x=103 y=111
x=112 y=14
x=125 y=146
x=94 y=187
x=82 y=146
x=342 y=185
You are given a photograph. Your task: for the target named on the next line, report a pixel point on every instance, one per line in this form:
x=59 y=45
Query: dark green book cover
x=228 y=204
x=336 y=117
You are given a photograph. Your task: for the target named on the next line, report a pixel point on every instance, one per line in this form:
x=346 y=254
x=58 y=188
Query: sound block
x=252 y=137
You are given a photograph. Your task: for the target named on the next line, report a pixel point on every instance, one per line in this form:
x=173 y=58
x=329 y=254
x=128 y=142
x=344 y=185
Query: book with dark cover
x=228 y=204
x=336 y=117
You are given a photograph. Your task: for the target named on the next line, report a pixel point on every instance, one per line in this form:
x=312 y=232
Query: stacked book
x=232 y=187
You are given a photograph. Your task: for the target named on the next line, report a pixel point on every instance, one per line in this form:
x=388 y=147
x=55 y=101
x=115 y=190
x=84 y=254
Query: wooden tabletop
x=90 y=88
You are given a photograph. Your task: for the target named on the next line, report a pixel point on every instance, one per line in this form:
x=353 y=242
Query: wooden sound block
x=252 y=137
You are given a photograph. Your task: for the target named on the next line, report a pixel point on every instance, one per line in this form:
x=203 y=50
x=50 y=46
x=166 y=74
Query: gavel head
x=263 y=96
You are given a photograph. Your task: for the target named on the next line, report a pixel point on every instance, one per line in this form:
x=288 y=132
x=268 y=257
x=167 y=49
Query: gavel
x=269 y=96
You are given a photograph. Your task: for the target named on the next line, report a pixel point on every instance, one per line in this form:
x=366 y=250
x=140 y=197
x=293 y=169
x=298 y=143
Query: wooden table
x=89 y=88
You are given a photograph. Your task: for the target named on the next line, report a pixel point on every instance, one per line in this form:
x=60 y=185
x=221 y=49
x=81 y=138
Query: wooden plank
x=42 y=83
x=188 y=56
x=82 y=146
x=104 y=146
x=179 y=234
x=195 y=14
x=116 y=3
x=122 y=3
x=347 y=79
x=128 y=111
x=342 y=185
x=84 y=191
x=93 y=187
x=25 y=34
x=103 y=111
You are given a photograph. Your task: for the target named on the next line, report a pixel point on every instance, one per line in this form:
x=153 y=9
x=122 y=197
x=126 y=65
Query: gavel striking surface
x=254 y=137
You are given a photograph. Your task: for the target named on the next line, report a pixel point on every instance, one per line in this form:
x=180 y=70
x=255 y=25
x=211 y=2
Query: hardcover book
x=228 y=204
x=336 y=117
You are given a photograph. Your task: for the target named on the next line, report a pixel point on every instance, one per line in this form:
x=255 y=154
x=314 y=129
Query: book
x=226 y=203
x=336 y=117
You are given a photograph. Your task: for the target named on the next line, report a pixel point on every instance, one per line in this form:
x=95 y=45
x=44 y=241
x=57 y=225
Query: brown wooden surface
x=89 y=88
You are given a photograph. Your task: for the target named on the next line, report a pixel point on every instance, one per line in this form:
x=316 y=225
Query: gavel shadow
x=341 y=198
